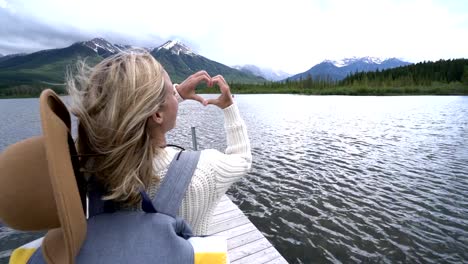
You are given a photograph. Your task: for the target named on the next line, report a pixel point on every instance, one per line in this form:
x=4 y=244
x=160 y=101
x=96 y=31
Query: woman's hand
x=187 y=88
x=225 y=99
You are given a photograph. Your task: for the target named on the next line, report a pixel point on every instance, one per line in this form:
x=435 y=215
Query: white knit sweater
x=214 y=174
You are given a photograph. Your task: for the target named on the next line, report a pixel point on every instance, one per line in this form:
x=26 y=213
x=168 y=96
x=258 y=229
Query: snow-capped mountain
x=347 y=61
x=180 y=61
x=266 y=73
x=177 y=47
x=103 y=47
x=338 y=70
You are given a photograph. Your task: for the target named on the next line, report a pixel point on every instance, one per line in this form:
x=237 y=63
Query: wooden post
x=194 y=139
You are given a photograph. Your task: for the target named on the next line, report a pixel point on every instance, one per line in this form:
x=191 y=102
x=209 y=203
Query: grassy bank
x=455 y=88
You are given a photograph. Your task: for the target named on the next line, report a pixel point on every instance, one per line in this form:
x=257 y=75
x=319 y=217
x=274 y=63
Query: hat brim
x=61 y=246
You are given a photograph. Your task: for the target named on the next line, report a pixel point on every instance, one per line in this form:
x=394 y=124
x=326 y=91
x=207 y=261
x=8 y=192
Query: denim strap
x=172 y=190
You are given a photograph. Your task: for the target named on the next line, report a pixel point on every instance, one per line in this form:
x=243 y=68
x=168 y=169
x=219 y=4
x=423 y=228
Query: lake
x=334 y=178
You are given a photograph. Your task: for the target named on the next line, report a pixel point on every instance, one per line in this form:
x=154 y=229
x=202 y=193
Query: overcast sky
x=289 y=35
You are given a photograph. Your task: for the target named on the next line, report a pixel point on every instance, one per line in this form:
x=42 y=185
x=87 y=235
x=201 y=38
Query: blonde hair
x=112 y=102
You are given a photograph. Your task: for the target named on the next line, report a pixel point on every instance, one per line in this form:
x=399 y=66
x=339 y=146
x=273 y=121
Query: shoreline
x=452 y=89
x=277 y=93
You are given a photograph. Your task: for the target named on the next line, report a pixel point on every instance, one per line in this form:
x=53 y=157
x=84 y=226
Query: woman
x=125 y=105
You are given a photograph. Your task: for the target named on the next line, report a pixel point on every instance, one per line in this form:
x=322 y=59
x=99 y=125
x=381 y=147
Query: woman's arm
x=237 y=159
x=230 y=166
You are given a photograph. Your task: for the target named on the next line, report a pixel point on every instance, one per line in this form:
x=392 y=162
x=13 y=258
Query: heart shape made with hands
x=187 y=89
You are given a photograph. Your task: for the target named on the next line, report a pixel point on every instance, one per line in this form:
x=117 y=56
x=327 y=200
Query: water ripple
x=336 y=179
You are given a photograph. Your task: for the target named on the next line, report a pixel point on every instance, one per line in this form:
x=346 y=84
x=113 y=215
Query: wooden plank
x=244 y=239
x=225 y=225
x=224 y=203
x=225 y=198
x=261 y=256
x=236 y=231
x=227 y=204
x=221 y=210
x=248 y=249
x=227 y=215
x=246 y=244
x=235 y=213
x=226 y=218
x=279 y=260
x=224 y=206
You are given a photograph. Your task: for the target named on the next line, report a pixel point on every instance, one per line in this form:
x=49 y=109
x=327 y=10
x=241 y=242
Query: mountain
x=266 y=73
x=102 y=47
x=180 y=62
x=49 y=66
x=338 y=70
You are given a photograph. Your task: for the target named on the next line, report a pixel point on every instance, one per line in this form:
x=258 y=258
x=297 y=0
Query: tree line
x=422 y=73
x=439 y=77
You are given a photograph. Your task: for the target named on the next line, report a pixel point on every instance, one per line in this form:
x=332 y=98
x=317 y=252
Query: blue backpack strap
x=37 y=257
x=172 y=190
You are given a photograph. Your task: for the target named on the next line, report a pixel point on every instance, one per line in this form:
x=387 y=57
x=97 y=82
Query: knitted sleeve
x=230 y=166
x=216 y=172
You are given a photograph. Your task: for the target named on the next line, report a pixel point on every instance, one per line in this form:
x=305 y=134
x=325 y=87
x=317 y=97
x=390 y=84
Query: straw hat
x=38 y=189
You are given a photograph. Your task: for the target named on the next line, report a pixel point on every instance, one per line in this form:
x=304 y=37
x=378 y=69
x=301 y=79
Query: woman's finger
x=222 y=78
x=198 y=98
x=223 y=86
x=203 y=78
x=219 y=80
x=212 y=101
x=200 y=73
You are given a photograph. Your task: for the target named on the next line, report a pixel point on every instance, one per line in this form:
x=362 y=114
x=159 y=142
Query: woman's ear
x=157 y=118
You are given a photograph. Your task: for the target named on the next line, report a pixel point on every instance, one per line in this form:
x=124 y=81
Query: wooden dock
x=246 y=244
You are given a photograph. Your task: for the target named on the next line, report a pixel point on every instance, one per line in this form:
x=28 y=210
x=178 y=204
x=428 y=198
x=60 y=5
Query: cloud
x=292 y=36
x=22 y=34
x=4 y=4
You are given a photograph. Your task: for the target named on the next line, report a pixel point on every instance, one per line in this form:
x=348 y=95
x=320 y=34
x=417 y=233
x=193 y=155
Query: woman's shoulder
x=209 y=156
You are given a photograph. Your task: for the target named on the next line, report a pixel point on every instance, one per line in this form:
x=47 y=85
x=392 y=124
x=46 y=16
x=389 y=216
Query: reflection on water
x=350 y=179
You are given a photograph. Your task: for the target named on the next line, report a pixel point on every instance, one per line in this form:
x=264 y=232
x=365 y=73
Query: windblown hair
x=113 y=101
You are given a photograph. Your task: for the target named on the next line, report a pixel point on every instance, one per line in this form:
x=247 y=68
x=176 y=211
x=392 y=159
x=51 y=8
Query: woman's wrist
x=177 y=94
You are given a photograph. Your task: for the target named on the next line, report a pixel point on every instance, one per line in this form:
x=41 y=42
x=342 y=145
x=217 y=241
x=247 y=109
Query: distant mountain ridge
x=49 y=66
x=338 y=70
x=266 y=73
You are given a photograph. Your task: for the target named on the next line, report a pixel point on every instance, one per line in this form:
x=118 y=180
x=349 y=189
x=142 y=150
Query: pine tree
x=465 y=76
